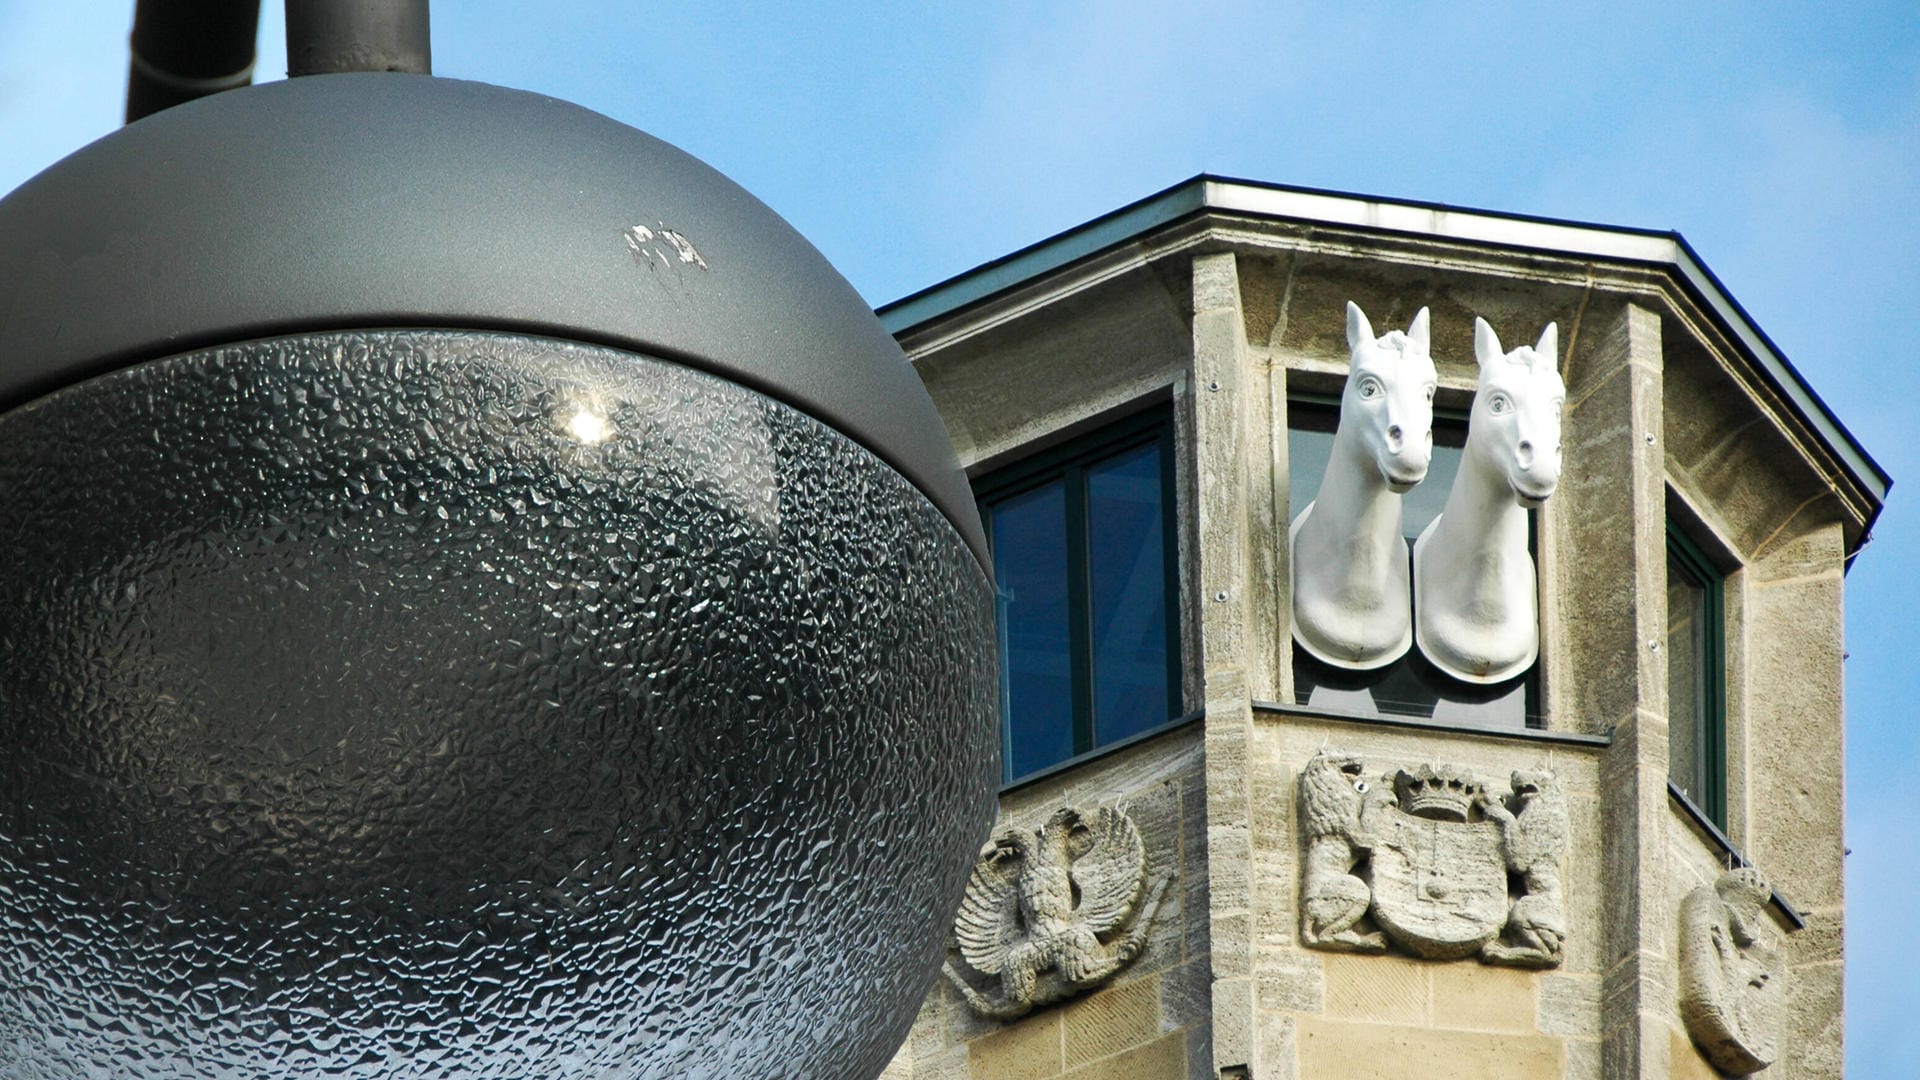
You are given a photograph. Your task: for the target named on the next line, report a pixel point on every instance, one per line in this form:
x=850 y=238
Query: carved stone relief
x=1428 y=859
x=1732 y=973
x=1351 y=593
x=1475 y=603
x=1054 y=911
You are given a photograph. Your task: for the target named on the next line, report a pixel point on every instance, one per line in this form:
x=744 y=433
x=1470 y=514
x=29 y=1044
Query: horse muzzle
x=1403 y=470
x=1532 y=490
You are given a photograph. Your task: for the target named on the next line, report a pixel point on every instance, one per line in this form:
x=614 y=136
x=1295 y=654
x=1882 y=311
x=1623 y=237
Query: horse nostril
x=1524 y=454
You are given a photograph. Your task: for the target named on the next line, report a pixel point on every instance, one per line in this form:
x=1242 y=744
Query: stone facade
x=1676 y=411
x=1153 y=1015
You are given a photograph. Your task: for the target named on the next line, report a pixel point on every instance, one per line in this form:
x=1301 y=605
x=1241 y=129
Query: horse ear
x=1549 y=346
x=1486 y=344
x=1358 y=328
x=1417 y=333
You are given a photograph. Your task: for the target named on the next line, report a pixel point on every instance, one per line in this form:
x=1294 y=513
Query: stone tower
x=1281 y=867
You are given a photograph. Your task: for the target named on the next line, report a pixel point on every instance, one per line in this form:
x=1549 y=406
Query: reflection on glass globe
x=420 y=704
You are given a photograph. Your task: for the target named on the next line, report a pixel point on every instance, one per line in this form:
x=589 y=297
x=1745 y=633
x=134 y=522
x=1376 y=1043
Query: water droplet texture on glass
x=421 y=704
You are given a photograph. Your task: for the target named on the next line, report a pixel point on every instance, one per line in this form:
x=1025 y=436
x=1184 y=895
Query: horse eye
x=1369 y=387
x=1360 y=786
x=1498 y=405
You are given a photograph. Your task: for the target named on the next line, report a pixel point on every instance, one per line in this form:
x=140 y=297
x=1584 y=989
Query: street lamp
x=483 y=598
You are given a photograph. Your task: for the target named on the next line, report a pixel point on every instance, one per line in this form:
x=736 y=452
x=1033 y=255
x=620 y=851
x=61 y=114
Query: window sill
x=1563 y=738
x=1535 y=735
x=1099 y=752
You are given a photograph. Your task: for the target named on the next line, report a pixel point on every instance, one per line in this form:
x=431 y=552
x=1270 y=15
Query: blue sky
x=911 y=142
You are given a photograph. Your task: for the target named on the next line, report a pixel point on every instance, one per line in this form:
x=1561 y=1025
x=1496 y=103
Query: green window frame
x=1070 y=466
x=1696 y=676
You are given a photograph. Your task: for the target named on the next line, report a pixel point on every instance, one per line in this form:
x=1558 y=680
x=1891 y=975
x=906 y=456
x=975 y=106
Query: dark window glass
x=1126 y=566
x=1310 y=444
x=1083 y=553
x=1036 y=660
x=1696 y=722
x=1410 y=686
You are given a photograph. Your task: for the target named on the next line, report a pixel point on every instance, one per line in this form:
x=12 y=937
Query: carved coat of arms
x=1732 y=973
x=1431 y=860
x=1054 y=911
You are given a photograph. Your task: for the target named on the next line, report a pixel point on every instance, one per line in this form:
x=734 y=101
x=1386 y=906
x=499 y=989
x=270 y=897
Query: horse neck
x=1481 y=508
x=1354 y=497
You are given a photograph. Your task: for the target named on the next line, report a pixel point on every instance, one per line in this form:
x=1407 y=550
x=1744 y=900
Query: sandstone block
x=1379 y=988
x=1583 y=1059
x=1186 y=995
x=1162 y=1059
x=1278 y=1047
x=1570 y=1005
x=1475 y=997
x=1290 y=981
x=1113 y=1020
x=1028 y=1050
x=1687 y=1062
x=1361 y=1051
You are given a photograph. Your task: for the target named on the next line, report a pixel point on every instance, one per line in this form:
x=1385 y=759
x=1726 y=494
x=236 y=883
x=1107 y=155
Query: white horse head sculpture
x=1388 y=401
x=1351 y=593
x=1516 y=412
x=1476 y=604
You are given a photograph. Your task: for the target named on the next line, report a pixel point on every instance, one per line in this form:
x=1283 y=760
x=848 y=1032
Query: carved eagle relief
x=1053 y=901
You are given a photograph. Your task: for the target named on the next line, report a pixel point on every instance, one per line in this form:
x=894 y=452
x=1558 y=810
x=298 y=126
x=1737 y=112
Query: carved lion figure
x=1334 y=797
x=1533 y=833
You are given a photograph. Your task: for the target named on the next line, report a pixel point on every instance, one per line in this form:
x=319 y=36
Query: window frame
x=1455 y=412
x=1710 y=733
x=1069 y=462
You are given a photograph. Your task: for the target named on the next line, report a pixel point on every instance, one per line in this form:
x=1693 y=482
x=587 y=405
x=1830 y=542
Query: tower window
x=1085 y=560
x=1696 y=677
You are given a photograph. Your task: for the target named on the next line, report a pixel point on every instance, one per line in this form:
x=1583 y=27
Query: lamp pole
x=326 y=37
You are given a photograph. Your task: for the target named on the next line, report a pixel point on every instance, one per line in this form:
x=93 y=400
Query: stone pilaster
x=1218 y=393
x=1793 y=755
x=1610 y=537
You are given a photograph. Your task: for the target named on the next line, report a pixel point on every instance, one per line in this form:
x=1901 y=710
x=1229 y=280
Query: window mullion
x=1003 y=661
x=1079 y=608
x=1170 y=553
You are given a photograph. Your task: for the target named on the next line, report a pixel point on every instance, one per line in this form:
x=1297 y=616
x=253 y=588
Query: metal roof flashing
x=1249 y=198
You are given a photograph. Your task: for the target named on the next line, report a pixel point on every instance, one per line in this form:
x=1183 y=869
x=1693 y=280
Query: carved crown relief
x=1054 y=911
x=1732 y=973
x=1470 y=599
x=1432 y=861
